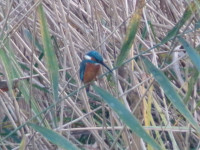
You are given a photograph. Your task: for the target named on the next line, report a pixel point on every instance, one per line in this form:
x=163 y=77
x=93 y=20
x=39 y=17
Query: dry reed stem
x=80 y=26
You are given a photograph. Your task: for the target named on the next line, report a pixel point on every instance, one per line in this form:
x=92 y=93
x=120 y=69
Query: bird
x=4 y=85
x=90 y=67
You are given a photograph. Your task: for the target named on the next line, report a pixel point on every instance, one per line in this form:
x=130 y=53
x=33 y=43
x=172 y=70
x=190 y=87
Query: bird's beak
x=106 y=67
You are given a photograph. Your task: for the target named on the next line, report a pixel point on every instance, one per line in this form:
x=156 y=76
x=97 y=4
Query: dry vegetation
x=77 y=26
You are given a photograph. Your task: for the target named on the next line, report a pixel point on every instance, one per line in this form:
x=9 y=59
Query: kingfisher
x=90 y=67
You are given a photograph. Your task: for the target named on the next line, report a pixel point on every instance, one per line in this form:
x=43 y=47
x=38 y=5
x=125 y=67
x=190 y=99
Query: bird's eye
x=94 y=59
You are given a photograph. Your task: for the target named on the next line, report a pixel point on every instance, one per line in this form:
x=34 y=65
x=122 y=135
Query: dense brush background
x=40 y=63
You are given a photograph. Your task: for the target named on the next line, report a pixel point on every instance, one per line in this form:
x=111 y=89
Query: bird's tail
x=87 y=88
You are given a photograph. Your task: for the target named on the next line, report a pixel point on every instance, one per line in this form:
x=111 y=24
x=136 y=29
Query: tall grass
x=150 y=101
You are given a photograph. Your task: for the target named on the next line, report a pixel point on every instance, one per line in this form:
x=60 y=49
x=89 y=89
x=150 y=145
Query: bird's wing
x=82 y=69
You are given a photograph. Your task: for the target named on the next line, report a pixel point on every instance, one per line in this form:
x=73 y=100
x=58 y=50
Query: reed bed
x=150 y=100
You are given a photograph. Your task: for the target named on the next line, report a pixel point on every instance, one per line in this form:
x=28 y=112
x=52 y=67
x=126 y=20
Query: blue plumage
x=96 y=56
x=93 y=54
x=92 y=57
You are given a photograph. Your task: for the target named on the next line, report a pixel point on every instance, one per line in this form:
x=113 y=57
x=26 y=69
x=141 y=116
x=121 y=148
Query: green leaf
x=30 y=37
x=22 y=145
x=54 y=137
x=187 y=14
x=5 y=59
x=50 y=57
x=193 y=54
x=170 y=92
x=37 y=44
x=144 y=34
x=191 y=83
x=126 y=116
x=130 y=35
x=197 y=25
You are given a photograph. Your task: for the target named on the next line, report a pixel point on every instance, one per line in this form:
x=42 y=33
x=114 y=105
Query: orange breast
x=91 y=71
